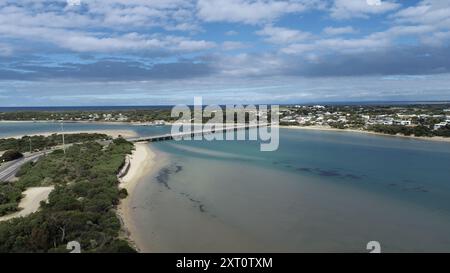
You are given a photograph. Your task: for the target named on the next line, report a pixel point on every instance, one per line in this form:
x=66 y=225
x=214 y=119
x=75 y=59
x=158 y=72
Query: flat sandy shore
x=141 y=164
x=67 y=121
x=31 y=202
x=112 y=133
x=323 y=128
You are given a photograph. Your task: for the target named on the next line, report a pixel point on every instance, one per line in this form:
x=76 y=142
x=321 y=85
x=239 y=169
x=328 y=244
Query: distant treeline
x=94 y=115
x=42 y=142
x=81 y=207
x=138 y=115
x=409 y=131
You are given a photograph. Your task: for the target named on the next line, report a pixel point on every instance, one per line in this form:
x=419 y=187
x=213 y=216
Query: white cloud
x=279 y=35
x=339 y=30
x=65 y=26
x=250 y=11
x=73 y=2
x=429 y=21
x=98 y=42
x=138 y=27
x=346 y=9
x=298 y=49
x=428 y=12
x=113 y=14
x=183 y=44
x=368 y=43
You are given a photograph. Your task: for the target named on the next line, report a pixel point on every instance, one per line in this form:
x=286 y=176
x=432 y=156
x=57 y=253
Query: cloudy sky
x=145 y=52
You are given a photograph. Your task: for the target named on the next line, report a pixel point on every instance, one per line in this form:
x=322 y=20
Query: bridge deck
x=195 y=133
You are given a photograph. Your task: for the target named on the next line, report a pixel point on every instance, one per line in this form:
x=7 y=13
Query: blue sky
x=145 y=52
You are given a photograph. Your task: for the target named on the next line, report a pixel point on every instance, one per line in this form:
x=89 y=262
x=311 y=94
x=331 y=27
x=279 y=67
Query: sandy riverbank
x=323 y=128
x=66 y=121
x=141 y=164
x=112 y=133
x=31 y=202
x=137 y=123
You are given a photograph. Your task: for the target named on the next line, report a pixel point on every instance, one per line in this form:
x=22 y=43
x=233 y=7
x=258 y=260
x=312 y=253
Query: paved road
x=8 y=171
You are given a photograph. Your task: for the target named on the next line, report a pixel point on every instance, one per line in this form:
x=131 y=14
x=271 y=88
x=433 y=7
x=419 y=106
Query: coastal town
x=419 y=120
x=152 y=115
x=407 y=119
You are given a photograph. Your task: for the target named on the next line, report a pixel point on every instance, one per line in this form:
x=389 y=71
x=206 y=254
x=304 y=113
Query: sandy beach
x=323 y=128
x=31 y=202
x=141 y=163
x=65 y=121
x=112 y=133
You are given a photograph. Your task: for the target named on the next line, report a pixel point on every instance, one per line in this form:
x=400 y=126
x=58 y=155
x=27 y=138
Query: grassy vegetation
x=421 y=131
x=9 y=198
x=81 y=208
x=42 y=142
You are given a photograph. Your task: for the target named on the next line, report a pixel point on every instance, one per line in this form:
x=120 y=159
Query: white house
x=440 y=125
x=402 y=122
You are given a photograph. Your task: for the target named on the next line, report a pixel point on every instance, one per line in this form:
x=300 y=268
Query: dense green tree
x=10 y=155
x=36 y=143
x=80 y=208
x=444 y=131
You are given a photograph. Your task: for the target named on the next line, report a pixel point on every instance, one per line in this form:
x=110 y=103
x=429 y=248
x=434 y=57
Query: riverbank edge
x=131 y=133
x=320 y=128
x=142 y=163
x=113 y=133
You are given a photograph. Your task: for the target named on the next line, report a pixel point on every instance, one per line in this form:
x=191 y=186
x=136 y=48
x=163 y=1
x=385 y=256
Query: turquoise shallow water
x=412 y=170
x=320 y=191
